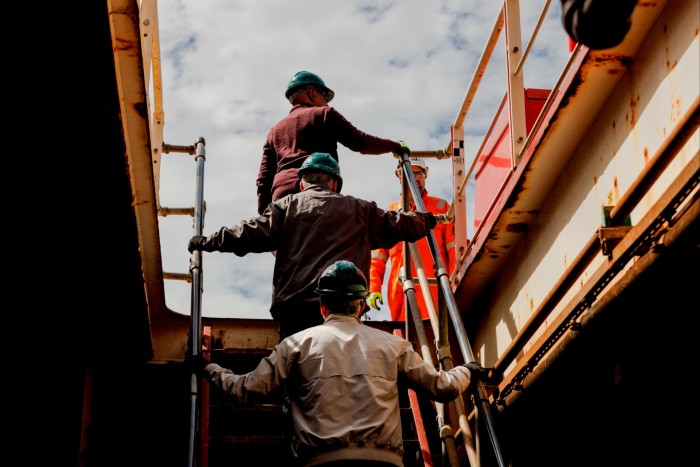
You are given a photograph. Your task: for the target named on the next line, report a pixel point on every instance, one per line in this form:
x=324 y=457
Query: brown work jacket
x=312 y=229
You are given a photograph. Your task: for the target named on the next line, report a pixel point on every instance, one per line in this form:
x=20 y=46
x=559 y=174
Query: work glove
x=442 y=218
x=373 y=298
x=196 y=363
x=404 y=148
x=196 y=243
x=480 y=373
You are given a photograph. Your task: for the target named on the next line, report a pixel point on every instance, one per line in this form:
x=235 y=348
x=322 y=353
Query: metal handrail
x=481 y=398
x=196 y=278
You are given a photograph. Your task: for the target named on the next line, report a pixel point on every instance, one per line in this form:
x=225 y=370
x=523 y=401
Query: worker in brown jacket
x=309 y=230
x=311 y=126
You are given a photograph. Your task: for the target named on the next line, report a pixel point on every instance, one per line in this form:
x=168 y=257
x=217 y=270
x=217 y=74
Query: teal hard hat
x=342 y=280
x=322 y=162
x=306 y=78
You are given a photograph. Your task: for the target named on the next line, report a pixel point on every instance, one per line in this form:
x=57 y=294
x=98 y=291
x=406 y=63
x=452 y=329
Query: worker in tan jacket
x=342 y=379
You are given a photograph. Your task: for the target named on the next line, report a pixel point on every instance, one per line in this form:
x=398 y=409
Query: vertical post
x=463 y=341
x=516 y=90
x=405 y=273
x=459 y=197
x=196 y=298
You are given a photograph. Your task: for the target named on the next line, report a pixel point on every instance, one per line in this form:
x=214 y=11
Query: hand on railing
x=404 y=149
x=442 y=219
x=196 y=243
x=480 y=373
x=196 y=363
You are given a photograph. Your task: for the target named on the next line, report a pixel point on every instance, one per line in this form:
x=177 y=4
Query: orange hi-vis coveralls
x=445 y=238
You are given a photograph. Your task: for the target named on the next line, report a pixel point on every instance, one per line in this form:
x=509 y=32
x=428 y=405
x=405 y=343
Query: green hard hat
x=306 y=78
x=342 y=280
x=322 y=162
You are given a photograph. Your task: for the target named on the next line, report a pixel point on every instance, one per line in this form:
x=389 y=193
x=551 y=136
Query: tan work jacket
x=342 y=381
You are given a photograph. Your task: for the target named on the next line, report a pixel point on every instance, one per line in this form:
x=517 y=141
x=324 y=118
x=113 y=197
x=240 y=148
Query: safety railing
x=514 y=105
x=521 y=137
x=480 y=396
x=507 y=28
x=196 y=277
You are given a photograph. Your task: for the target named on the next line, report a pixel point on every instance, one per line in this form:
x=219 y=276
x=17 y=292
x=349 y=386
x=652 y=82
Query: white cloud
x=400 y=70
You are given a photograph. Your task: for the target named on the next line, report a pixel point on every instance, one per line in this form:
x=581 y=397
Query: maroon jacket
x=306 y=130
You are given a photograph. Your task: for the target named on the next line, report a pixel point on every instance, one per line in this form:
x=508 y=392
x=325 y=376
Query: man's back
x=344 y=399
x=342 y=378
x=311 y=229
x=318 y=226
x=312 y=126
x=302 y=132
x=308 y=129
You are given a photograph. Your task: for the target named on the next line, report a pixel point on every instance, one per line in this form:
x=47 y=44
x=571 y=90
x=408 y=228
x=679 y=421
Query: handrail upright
x=481 y=397
x=196 y=298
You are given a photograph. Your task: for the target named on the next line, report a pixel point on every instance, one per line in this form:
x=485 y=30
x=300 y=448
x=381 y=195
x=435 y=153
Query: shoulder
x=278 y=207
x=313 y=198
x=299 y=111
x=283 y=121
x=366 y=204
x=436 y=203
x=331 y=113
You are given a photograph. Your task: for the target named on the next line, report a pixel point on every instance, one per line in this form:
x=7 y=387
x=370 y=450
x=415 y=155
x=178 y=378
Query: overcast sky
x=399 y=69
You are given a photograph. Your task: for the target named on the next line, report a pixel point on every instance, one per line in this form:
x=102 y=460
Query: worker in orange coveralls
x=444 y=235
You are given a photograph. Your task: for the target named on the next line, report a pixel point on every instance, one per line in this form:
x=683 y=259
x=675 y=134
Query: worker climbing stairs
x=232 y=430
x=434 y=434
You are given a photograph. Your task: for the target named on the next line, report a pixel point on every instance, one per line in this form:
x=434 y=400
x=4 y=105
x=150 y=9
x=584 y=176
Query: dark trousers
x=294 y=318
